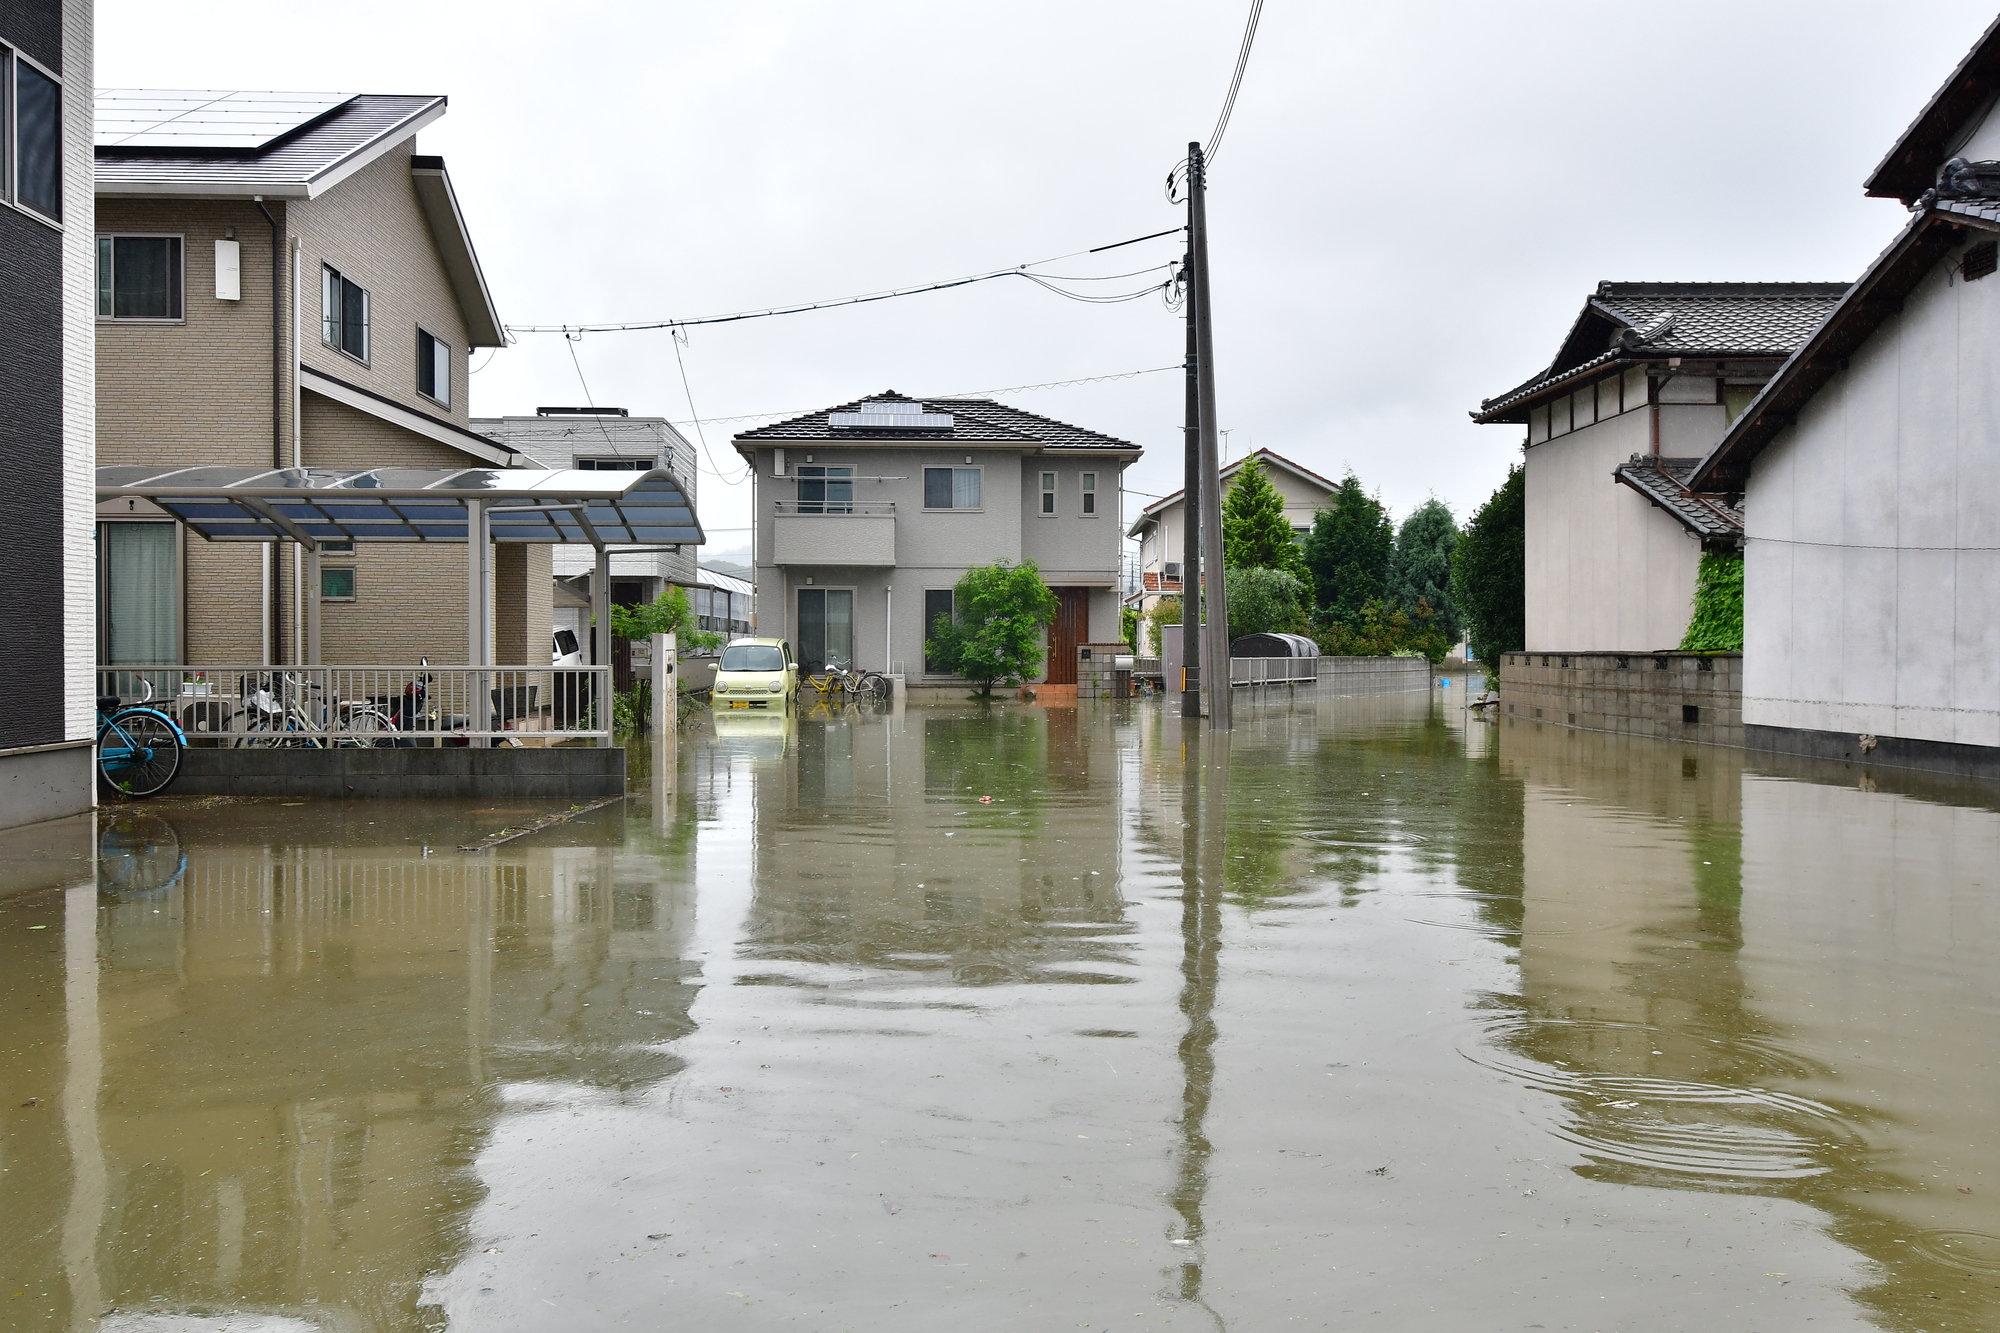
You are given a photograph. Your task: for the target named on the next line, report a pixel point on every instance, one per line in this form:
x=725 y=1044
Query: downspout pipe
x=277 y=418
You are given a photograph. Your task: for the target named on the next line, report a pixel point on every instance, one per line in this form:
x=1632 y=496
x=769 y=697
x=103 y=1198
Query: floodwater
x=1379 y=1017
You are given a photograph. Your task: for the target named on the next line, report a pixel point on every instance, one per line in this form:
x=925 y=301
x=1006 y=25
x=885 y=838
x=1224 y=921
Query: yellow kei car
x=756 y=673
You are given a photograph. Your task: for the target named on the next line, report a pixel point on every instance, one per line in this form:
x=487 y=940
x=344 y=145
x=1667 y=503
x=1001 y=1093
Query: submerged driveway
x=1025 y=1018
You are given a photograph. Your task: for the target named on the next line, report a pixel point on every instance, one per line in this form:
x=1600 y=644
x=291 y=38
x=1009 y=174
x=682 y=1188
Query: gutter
x=276 y=628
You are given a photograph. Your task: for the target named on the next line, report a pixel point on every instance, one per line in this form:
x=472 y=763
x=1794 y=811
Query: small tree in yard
x=1264 y=601
x=1420 y=570
x=1255 y=532
x=669 y=613
x=1166 y=611
x=999 y=612
x=1489 y=572
x=1348 y=552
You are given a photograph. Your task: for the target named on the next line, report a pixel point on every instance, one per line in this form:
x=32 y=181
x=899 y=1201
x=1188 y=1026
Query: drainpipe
x=275 y=593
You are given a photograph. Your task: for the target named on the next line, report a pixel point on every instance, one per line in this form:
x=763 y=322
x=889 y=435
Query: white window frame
x=10 y=155
x=180 y=281
x=353 y=583
x=1087 y=495
x=979 y=508
x=1050 y=482
x=326 y=272
x=441 y=399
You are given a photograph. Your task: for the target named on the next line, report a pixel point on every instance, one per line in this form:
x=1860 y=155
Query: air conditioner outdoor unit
x=1173 y=569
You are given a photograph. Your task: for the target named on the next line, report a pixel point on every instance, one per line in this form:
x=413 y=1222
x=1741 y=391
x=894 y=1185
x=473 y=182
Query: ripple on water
x=1972 y=1250
x=1676 y=1127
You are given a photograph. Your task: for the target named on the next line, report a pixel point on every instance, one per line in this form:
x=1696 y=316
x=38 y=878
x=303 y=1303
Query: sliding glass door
x=826 y=627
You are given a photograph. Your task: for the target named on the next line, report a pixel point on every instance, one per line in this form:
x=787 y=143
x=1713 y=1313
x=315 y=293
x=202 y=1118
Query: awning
x=402 y=504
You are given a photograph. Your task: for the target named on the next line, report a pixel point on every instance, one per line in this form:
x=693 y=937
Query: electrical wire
x=678 y=337
x=1018 y=271
x=588 y=400
x=942 y=397
x=1214 y=145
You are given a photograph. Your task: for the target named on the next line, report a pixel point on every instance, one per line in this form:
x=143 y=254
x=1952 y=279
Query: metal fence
x=313 y=707
x=1273 y=670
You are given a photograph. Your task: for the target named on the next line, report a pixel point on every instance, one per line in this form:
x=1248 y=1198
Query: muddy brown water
x=1376 y=1018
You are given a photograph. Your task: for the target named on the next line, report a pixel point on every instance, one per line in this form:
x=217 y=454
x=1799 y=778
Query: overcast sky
x=1410 y=207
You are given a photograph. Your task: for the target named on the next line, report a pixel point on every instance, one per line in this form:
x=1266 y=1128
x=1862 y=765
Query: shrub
x=1717 y=625
x=1264 y=601
x=999 y=612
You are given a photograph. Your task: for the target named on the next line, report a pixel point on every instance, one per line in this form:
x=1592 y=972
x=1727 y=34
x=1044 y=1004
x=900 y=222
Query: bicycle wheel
x=876 y=686
x=372 y=726
x=138 y=753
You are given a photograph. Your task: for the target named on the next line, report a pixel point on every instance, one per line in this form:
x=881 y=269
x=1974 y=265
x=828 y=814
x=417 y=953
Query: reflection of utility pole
x=1213 y=599
x=1203 y=858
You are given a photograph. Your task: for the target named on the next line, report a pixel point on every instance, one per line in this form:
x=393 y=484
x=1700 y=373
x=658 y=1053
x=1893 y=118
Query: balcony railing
x=315 y=707
x=871 y=508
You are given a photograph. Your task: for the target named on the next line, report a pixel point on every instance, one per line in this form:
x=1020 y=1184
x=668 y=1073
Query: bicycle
x=138 y=748
x=871 y=685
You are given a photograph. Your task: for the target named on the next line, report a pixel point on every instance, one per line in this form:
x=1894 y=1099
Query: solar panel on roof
x=196 y=119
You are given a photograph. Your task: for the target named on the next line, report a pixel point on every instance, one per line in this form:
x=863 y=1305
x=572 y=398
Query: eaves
x=396 y=414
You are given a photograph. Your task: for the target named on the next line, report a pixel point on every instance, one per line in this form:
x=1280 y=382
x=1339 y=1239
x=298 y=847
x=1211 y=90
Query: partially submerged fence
x=1100 y=675
x=313 y=707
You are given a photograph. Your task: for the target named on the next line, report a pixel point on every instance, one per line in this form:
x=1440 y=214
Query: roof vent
x=890 y=414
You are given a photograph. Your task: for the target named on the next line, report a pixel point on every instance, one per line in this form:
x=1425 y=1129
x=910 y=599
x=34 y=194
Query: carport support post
x=313 y=656
x=600 y=639
x=478 y=643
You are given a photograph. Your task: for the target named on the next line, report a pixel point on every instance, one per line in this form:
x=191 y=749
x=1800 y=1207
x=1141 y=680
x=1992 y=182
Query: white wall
x=1872 y=583
x=79 y=444
x=1606 y=570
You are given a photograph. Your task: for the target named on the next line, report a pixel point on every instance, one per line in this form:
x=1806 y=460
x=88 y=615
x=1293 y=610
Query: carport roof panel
x=414 y=504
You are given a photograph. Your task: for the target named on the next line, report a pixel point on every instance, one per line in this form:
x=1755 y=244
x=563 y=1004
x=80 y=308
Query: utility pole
x=1191 y=489
x=1216 y=674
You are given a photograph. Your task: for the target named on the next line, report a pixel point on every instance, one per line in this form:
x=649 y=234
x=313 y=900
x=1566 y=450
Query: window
x=1048 y=492
x=826 y=628
x=614 y=464
x=337 y=548
x=139 y=277
x=343 y=314
x=752 y=657
x=138 y=604
x=937 y=607
x=1089 y=493
x=951 y=488
x=30 y=136
x=826 y=490
x=434 y=368
x=337 y=584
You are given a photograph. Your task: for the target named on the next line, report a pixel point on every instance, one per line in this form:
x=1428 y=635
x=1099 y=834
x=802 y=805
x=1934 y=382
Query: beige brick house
x=283 y=281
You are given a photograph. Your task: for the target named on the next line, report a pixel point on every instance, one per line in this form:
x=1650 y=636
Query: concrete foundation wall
x=563 y=773
x=1631 y=694
x=46 y=782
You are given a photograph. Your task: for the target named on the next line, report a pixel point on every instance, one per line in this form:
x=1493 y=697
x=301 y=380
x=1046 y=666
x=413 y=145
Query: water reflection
x=1376 y=1012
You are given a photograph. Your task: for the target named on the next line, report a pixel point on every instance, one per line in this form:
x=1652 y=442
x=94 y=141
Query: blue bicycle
x=138 y=748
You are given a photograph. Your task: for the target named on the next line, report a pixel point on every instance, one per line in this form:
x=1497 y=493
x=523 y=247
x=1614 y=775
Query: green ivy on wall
x=1717 y=626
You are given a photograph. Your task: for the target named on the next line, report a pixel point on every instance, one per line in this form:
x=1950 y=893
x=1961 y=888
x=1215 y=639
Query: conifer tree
x=1421 y=568
x=1255 y=532
x=1489 y=572
x=1348 y=552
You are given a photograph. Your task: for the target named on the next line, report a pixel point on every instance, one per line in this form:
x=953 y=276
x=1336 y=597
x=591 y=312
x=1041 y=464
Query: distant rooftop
x=895 y=416
x=204 y=119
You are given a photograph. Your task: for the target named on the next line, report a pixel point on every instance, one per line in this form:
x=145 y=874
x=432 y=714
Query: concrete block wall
x=1634 y=694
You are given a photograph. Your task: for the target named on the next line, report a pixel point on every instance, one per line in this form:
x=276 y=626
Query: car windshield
x=752 y=657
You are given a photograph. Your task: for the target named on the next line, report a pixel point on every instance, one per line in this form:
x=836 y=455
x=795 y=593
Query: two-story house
x=47 y=602
x=1160 y=535
x=868 y=513
x=1648 y=377
x=283 y=281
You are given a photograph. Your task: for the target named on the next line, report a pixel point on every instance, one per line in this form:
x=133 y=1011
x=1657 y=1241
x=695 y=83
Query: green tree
x=1717 y=624
x=1264 y=601
x=1166 y=611
x=1383 y=629
x=999 y=612
x=669 y=613
x=1128 y=626
x=1347 y=553
x=1255 y=532
x=1420 y=570
x=1489 y=572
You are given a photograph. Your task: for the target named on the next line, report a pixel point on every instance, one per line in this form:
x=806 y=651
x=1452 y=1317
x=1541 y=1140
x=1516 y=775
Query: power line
x=938 y=397
x=1235 y=81
x=1018 y=271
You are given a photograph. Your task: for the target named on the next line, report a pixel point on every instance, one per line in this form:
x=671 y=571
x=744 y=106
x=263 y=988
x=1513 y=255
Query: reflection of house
x=1159 y=533
x=46 y=293
x=283 y=281
x=1872 y=620
x=869 y=513
x=1648 y=377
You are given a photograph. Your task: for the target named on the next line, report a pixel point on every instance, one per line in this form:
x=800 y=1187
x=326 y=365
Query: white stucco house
x=868 y=513
x=1868 y=470
x=1646 y=380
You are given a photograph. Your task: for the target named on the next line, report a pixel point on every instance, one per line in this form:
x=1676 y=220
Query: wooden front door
x=1072 y=627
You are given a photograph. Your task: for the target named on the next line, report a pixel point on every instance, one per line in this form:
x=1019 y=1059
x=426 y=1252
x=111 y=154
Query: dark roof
x=1911 y=166
x=1648 y=321
x=979 y=419
x=1878 y=294
x=1664 y=481
x=295 y=165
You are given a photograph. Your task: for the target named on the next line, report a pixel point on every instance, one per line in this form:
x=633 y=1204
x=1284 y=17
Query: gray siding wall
x=1873 y=568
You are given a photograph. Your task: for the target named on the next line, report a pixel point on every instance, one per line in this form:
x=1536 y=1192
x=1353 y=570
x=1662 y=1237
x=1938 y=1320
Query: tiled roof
x=1641 y=321
x=296 y=165
x=1911 y=164
x=972 y=419
x=1157 y=582
x=1664 y=482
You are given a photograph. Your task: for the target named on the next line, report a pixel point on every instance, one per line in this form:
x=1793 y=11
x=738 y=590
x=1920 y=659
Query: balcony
x=834 y=532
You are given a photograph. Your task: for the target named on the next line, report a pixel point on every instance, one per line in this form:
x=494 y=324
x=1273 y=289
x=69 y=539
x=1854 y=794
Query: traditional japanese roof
x=1936 y=229
x=1158 y=582
x=215 y=144
x=1264 y=456
x=1911 y=165
x=1636 y=322
x=1664 y=482
x=971 y=421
